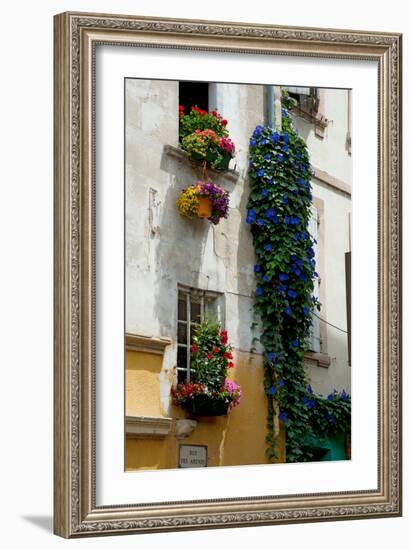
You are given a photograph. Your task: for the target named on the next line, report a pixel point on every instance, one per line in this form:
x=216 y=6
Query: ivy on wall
x=279 y=209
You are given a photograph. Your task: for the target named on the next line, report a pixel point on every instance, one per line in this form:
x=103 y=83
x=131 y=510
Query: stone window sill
x=317 y=359
x=148 y=427
x=147 y=344
x=180 y=155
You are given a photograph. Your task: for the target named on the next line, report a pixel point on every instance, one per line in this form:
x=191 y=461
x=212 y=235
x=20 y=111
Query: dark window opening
x=194 y=94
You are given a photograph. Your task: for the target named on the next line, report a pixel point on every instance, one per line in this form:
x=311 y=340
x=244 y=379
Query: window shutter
x=314 y=335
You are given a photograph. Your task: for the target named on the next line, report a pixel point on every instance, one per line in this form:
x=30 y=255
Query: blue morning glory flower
x=344 y=396
x=296 y=236
x=264 y=193
x=294 y=220
x=282 y=288
x=256 y=268
x=288 y=310
x=331 y=396
x=285 y=113
x=260 y=172
x=271 y=356
x=287 y=220
x=285 y=148
x=259 y=291
x=292 y=293
x=310 y=252
x=295 y=343
x=271 y=215
x=303 y=277
x=281 y=383
x=305 y=310
x=301 y=181
x=251 y=216
x=265 y=279
x=261 y=222
x=279 y=157
x=275 y=137
x=309 y=388
x=257 y=131
x=272 y=390
x=304 y=235
x=263 y=141
x=285 y=200
x=293 y=257
x=295 y=191
x=266 y=157
x=268 y=247
x=282 y=416
x=252 y=142
x=283 y=277
x=270 y=181
x=298 y=272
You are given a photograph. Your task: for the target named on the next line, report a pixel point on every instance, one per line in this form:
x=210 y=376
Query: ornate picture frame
x=76 y=512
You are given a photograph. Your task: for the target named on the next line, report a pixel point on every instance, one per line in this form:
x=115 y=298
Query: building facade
x=178 y=270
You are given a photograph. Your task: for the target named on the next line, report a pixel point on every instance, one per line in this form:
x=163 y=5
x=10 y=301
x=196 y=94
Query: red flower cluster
x=223 y=337
x=217 y=115
x=181 y=110
x=201 y=112
x=186 y=391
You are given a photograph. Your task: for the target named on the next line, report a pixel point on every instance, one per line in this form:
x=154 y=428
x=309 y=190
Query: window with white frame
x=194 y=305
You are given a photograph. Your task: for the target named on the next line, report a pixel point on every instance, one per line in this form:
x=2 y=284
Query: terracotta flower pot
x=204 y=210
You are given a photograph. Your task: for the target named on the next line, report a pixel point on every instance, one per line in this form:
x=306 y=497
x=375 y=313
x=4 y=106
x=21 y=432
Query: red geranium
x=209 y=355
x=216 y=349
x=231 y=365
x=224 y=122
x=181 y=110
x=228 y=356
x=223 y=336
x=194 y=349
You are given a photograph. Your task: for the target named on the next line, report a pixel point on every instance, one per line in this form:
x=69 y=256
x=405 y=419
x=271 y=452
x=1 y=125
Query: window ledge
x=317 y=359
x=148 y=344
x=148 y=427
x=320 y=122
x=178 y=154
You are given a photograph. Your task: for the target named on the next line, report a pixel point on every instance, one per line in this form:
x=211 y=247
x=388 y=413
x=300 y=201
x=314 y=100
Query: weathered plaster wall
x=233 y=440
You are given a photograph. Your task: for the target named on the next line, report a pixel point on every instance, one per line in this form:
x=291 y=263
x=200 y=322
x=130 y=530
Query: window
x=307 y=99
x=193 y=306
x=309 y=106
x=194 y=93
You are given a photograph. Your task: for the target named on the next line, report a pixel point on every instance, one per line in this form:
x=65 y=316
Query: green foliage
x=211 y=355
x=278 y=212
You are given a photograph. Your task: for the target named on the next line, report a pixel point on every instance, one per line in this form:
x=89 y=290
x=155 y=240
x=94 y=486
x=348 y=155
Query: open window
x=194 y=94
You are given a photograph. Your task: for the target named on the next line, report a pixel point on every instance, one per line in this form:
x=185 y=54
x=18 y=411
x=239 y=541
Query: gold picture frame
x=75 y=38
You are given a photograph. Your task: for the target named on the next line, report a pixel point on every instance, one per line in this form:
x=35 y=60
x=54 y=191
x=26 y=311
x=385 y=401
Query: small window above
x=194 y=94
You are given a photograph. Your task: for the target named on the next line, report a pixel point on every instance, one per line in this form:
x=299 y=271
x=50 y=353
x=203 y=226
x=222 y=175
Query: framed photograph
x=227 y=274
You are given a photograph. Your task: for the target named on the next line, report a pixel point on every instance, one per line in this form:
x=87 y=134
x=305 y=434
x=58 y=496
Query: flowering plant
x=199 y=119
x=278 y=213
x=188 y=201
x=204 y=137
x=211 y=358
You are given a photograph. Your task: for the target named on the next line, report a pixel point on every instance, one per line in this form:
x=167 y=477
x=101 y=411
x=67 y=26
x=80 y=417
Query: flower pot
x=204 y=209
x=224 y=163
x=203 y=405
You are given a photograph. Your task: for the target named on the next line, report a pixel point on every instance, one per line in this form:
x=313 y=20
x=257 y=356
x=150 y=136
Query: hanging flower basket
x=205 y=200
x=210 y=393
x=204 y=137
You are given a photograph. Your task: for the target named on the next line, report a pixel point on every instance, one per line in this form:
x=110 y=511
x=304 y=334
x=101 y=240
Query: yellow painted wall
x=237 y=439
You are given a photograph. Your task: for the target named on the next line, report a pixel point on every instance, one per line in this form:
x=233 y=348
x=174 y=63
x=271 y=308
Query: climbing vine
x=279 y=208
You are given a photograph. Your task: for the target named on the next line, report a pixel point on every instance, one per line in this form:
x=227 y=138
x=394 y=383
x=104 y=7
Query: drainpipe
x=274 y=107
x=278 y=108
x=270 y=98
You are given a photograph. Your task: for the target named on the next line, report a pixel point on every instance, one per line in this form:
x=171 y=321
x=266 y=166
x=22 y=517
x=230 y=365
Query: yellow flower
x=188 y=202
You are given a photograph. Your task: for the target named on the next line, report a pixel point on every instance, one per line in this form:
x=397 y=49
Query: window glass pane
x=181 y=313
x=181 y=357
x=195 y=312
x=181 y=333
x=181 y=376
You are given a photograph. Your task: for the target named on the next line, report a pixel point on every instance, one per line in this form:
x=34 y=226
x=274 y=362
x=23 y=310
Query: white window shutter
x=314 y=335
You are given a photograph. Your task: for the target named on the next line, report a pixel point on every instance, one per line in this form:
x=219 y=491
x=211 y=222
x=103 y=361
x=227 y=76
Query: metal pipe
x=270 y=99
